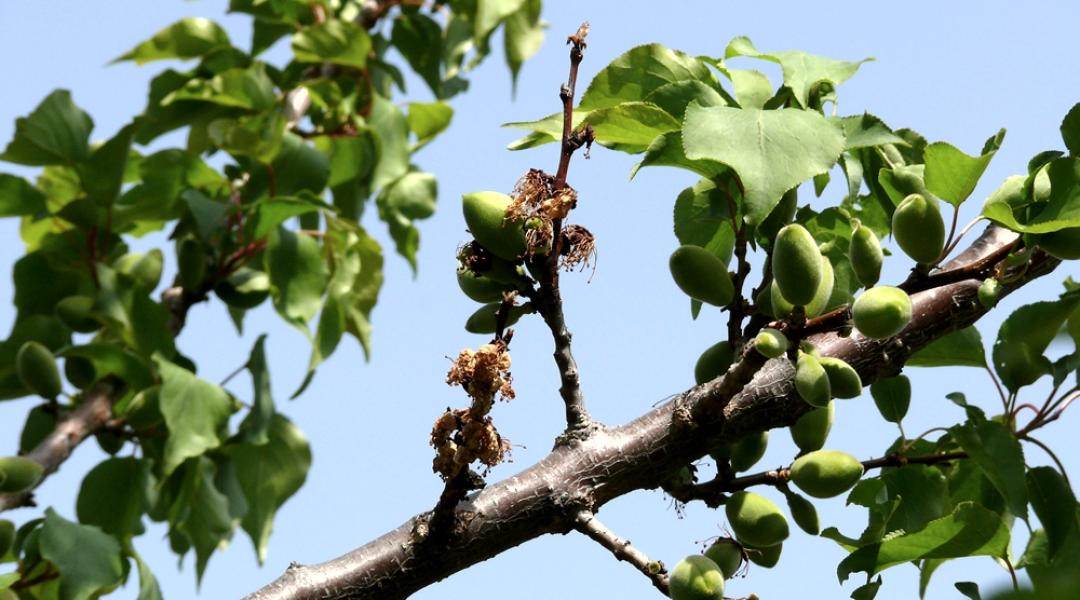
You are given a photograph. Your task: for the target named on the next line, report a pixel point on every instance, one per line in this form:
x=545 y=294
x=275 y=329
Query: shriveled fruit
x=480 y=288
x=803 y=513
x=244 y=289
x=145 y=269
x=771 y=343
x=483 y=320
x=756 y=520
x=892 y=397
x=747 y=451
x=843 y=380
x=864 y=252
x=811 y=381
x=1063 y=243
x=485 y=215
x=826 y=473
x=783 y=308
x=765 y=557
x=919 y=229
x=812 y=429
x=989 y=291
x=701 y=275
x=7 y=536
x=77 y=313
x=36 y=368
x=727 y=554
x=79 y=371
x=18 y=473
x=713 y=362
x=191 y=263
x=881 y=312
x=796 y=264
x=696 y=577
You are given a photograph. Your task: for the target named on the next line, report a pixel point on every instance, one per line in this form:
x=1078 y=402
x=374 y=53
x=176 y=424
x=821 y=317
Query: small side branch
x=587 y=523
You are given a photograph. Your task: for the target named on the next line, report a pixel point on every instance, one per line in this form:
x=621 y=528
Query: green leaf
x=268 y=475
x=1055 y=505
x=88 y=560
x=922 y=491
x=1061 y=209
x=258 y=136
x=195 y=411
x=392 y=132
x=674 y=97
x=488 y=15
x=969 y=531
x=327 y=336
x=335 y=41
x=961 y=348
x=523 y=35
x=187 y=38
x=427 y=120
x=256 y=424
x=994 y=449
x=638 y=72
x=202 y=512
x=667 y=151
x=952 y=175
x=55 y=133
x=299 y=167
x=1070 y=130
x=771 y=150
x=297 y=275
x=249 y=88
x=866 y=130
x=752 y=88
x=968 y=589
x=272 y=212
x=801 y=71
x=416 y=36
x=1024 y=336
x=409 y=198
x=148 y=585
x=352 y=163
x=702 y=218
x=19 y=198
x=358 y=277
x=867 y=591
x=111 y=496
x=631 y=126
x=110 y=359
x=103 y=174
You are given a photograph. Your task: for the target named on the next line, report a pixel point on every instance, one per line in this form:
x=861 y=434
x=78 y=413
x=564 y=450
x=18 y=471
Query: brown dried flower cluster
x=483 y=373
x=580 y=247
x=460 y=438
x=538 y=204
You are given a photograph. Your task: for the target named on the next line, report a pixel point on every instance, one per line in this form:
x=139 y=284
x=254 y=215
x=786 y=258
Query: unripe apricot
x=701 y=275
x=765 y=557
x=812 y=429
x=79 y=371
x=36 y=369
x=803 y=513
x=919 y=229
x=483 y=320
x=480 y=288
x=746 y=452
x=865 y=255
x=771 y=343
x=989 y=291
x=783 y=308
x=881 y=312
x=696 y=577
x=727 y=554
x=843 y=380
x=826 y=473
x=713 y=362
x=892 y=397
x=811 y=381
x=1063 y=243
x=145 y=269
x=77 y=313
x=7 y=536
x=18 y=474
x=756 y=520
x=485 y=215
x=796 y=264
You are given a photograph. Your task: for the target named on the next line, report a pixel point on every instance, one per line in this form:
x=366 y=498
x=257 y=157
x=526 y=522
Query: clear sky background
x=953 y=71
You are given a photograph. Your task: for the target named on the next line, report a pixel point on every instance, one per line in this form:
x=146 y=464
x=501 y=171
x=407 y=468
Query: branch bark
x=548 y=497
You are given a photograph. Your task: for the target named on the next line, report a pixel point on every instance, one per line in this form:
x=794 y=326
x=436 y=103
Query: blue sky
x=949 y=70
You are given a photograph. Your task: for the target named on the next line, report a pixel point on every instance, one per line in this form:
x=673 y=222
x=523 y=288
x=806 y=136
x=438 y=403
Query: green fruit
x=7 y=537
x=485 y=215
x=989 y=291
x=483 y=320
x=746 y=452
x=109 y=442
x=763 y=302
x=771 y=343
x=781 y=215
x=796 y=265
x=1063 y=243
x=701 y=275
x=765 y=557
x=881 y=312
x=892 y=397
x=79 y=371
x=77 y=313
x=191 y=263
x=826 y=473
x=843 y=380
x=812 y=429
x=756 y=520
x=811 y=381
x=244 y=289
x=36 y=368
x=480 y=288
x=865 y=255
x=919 y=229
x=803 y=513
x=145 y=269
x=713 y=362
x=696 y=578
x=820 y=301
x=727 y=554
x=18 y=474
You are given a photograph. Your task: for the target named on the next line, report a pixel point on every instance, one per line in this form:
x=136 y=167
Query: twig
x=588 y=524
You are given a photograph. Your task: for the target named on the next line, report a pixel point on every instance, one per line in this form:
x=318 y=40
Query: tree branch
x=588 y=524
x=547 y=497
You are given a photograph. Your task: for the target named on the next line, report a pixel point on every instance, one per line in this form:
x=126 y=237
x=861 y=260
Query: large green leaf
x=254 y=427
x=952 y=175
x=1070 y=130
x=268 y=475
x=88 y=560
x=866 y=130
x=703 y=218
x=961 y=348
x=297 y=275
x=111 y=496
x=416 y=36
x=487 y=16
x=1024 y=336
x=523 y=35
x=392 y=132
x=771 y=150
x=357 y=278
x=187 y=38
x=922 y=490
x=335 y=41
x=257 y=136
x=201 y=512
x=111 y=359
x=667 y=151
x=998 y=454
x=969 y=531
x=103 y=174
x=148 y=585
x=1054 y=503
x=1061 y=210
x=57 y=132
x=195 y=412
x=407 y=199
x=638 y=72
x=428 y=119
x=18 y=197
x=249 y=88
x=674 y=97
x=631 y=126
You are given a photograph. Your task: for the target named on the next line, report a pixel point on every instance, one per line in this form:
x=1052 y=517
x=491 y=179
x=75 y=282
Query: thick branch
x=588 y=524
x=547 y=497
